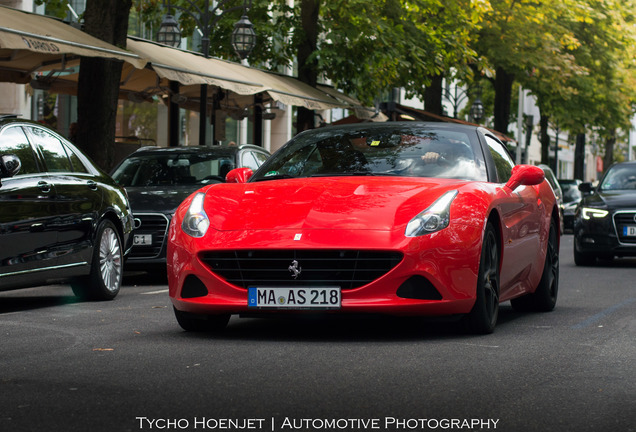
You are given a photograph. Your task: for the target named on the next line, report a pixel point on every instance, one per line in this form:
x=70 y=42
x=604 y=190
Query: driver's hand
x=430 y=157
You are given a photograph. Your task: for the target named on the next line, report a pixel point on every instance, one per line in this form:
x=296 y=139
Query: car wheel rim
x=110 y=262
x=553 y=257
x=491 y=278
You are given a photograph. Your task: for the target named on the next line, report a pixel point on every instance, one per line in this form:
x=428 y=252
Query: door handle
x=92 y=185
x=44 y=186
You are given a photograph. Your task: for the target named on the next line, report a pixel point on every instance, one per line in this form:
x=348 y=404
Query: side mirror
x=9 y=165
x=586 y=188
x=526 y=175
x=239 y=175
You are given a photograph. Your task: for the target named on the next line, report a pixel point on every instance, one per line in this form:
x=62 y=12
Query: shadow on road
x=23 y=300
x=332 y=328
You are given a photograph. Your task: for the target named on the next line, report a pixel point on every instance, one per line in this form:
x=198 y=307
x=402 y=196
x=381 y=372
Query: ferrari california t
x=418 y=219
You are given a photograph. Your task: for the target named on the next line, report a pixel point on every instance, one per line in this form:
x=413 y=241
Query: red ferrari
x=393 y=218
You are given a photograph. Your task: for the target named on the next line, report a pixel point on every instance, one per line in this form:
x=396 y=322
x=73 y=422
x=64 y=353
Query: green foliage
x=56 y=8
x=578 y=57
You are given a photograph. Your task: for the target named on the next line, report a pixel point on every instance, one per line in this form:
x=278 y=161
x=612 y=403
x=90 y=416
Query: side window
x=248 y=160
x=503 y=161
x=78 y=166
x=14 y=141
x=53 y=151
x=260 y=158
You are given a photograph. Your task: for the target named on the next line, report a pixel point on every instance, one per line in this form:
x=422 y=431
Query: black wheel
x=104 y=280
x=544 y=297
x=581 y=258
x=483 y=317
x=201 y=323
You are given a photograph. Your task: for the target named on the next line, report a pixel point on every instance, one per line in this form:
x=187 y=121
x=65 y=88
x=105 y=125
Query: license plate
x=142 y=239
x=629 y=231
x=294 y=298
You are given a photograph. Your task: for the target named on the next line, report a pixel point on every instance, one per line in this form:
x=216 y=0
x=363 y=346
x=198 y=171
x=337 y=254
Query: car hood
x=612 y=199
x=164 y=199
x=348 y=203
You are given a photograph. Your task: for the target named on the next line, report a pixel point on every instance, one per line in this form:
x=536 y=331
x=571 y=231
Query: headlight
x=195 y=222
x=593 y=213
x=434 y=218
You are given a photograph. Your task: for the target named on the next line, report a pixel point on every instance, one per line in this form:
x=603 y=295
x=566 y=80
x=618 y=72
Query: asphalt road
x=126 y=365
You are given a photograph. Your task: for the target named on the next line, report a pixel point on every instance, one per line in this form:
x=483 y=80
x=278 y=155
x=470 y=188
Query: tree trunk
x=433 y=96
x=579 y=157
x=608 y=159
x=503 y=96
x=545 y=139
x=307 y=68
x=98 y=85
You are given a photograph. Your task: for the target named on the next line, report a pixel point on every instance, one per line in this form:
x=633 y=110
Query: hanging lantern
x=243 y=37
x=169 y=33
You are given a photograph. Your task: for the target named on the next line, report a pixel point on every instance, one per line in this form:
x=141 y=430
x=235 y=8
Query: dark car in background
x=605 y=220
x=158 y=179
x=558 y=193
x=571 y=198
x=61 y=217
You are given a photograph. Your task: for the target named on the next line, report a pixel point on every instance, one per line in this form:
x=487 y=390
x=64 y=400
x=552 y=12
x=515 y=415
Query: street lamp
x=169 y=33
x=477 y=109
x=459 y=95
x=243 y=39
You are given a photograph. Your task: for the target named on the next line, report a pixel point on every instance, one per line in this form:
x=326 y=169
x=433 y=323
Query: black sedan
x=605 y=220
x=61 y=217
x=571 y=198
x=158 y=179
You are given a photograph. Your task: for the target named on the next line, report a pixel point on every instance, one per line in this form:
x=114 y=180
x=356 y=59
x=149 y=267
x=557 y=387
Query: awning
x=190 y=68
x=30 y=42
x=193 y=69
x=361 y=112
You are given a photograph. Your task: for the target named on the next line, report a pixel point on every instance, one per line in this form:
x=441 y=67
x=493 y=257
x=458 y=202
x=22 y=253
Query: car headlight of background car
x=196 y=222
x=434 y=218
x=593 y=213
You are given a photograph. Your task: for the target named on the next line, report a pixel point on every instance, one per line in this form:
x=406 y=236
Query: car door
x=28 y=235
x=521 y=219
x=78 y=198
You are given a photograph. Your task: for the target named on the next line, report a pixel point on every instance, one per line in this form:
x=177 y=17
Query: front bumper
x=437 y=274
x=604 y=237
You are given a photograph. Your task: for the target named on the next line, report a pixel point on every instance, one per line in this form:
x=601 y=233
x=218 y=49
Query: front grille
x=621 y=220
x=155 y=224
x=344 y=268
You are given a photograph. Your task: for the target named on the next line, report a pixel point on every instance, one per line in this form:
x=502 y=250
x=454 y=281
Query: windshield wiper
x=357 y=173
x=274 y=177
x=344 y=174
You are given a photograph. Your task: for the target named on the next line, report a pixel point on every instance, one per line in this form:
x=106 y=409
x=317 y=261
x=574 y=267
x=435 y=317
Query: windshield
x=571 y=192
x=620 y=177
x=173 y=168
x=389 y=150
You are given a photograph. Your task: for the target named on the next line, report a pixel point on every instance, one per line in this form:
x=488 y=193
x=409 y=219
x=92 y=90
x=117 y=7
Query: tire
x=582 y=259
x=544 y=297
x=107 y=267
x=201 y=323
x=482 y=319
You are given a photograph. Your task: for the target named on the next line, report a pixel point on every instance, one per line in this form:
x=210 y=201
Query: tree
x=602 y=92
x=98 y=85
x=367 y=47
x=520 y=40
